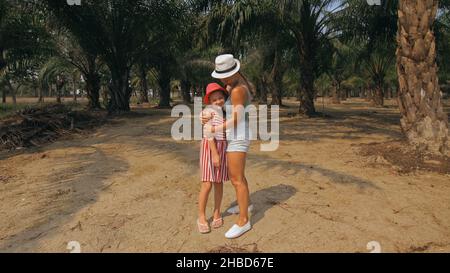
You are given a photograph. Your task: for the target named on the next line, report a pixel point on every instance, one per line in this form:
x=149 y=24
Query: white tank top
x=242 y=131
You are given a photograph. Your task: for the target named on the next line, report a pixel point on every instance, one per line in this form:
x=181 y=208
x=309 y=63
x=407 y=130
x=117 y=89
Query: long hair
x=249 y=86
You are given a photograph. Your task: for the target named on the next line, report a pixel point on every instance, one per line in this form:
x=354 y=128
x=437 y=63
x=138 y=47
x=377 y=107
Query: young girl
x=213 y=162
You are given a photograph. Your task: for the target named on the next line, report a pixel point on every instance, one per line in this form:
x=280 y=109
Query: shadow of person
x=265 y=199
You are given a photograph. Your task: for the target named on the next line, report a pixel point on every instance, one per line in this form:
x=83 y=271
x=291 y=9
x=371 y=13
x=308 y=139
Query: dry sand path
x=128 y=187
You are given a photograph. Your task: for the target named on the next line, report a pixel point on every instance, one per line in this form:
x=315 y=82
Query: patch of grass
x=39 y=125
x=7 y=109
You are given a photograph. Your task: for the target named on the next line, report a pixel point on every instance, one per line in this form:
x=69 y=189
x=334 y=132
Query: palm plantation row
x=301 y=48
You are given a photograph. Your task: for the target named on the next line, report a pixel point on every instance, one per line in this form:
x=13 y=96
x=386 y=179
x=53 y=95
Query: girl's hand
x=209 y=131
x=216 y=160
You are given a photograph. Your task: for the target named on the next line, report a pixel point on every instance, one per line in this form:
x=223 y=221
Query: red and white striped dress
x=209 y=173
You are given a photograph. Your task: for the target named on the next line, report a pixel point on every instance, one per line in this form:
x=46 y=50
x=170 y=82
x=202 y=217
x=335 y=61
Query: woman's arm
x=205 y=117
x=238 y=97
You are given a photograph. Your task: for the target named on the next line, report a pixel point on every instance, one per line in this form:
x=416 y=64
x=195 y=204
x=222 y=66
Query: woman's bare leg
x=236 y=169
x=203 y=201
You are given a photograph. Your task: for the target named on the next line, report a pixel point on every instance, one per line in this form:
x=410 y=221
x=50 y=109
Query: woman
x=238 y=135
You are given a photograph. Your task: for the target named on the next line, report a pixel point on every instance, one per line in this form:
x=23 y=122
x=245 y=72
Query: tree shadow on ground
x=62 y=195
x=264 y=200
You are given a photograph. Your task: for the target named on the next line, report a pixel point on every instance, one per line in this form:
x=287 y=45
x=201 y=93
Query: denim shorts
x=238 y=146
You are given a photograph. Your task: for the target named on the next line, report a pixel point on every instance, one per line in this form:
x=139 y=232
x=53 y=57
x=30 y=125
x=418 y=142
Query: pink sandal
x=217 y=223
x=203 y=228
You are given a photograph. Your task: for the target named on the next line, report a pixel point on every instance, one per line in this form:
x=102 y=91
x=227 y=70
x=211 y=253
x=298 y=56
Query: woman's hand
x=205 y=117
x=216 y=160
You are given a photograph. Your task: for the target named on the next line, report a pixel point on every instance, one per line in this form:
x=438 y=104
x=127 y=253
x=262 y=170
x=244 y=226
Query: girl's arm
x=239 y=97
x=211 y=140
x=214 y=153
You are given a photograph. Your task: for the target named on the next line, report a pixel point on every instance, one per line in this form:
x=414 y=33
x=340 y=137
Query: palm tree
x=56 y=72
x=371 y=30
x=3 y=14
x=342 y=62
x=24 y=44
x=120 y=31
x=376 y=65
x=423 y=119
x=308 y=22
x=86 y=60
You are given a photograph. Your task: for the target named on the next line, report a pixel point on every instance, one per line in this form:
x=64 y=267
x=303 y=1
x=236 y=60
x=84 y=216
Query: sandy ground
x=128 y=187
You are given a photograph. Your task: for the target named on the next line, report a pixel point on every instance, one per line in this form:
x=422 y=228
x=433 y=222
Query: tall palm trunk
x=277 y=80
x=120 y=91
x=93 y=90
x=423 y=119
x=186 y=91
x=143 y=97
x=164 y=84
x=92 y=83
x=3 y=95
x=262 y=91
x=307 y=107
x=2 y=59
x=40 y=94
x=12 y=90
x=336 y=93
x=378 y=96
x=307 y=53
x=74 y=87
x=59 y=86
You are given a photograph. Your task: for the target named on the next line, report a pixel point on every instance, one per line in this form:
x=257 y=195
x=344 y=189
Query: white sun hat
x=226 y=66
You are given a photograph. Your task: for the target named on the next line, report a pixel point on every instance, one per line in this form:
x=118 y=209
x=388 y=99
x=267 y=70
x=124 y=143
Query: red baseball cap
x=213 y=87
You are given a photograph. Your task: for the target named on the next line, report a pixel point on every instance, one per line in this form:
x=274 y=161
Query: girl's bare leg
x=203 y=201
x=218 y=195
x=236 y=169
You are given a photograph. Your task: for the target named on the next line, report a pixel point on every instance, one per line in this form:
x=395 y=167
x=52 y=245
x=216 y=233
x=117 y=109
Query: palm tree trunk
x=11 y=90
x=345 y=94
x=423 y=119
x=59 y=86
x=120 y=91
x=74 y=87
x=2 y=59
x=93 y=90
x=307 y=107
x=258 y=88
x=164 y=84
x=263 y=92
x=92 y=79
x=143 y=96
x=186 y=91
x=277 y=78
x=3 y=95
x=58 y=95
x=40 y=94
x=378 y=95
x=336 y=94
